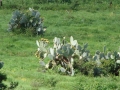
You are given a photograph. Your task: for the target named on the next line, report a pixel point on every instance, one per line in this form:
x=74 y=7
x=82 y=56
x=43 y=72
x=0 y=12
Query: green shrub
x=29 y=23
x=3 y=77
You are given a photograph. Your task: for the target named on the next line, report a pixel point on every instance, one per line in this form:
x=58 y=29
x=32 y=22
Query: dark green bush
x=3 y=77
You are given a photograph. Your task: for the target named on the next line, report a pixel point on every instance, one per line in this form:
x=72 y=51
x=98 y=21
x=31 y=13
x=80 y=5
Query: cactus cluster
x=60 y=55
x=70 y=57
x=30 y=20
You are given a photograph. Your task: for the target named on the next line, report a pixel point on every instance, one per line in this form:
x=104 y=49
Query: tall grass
x=89 y=5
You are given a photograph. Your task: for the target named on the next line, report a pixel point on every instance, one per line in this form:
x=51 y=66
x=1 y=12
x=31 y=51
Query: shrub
x=28 y=22
x=3 y=77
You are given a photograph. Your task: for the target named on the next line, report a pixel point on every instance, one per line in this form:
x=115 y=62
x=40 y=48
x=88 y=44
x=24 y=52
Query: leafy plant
x=3 y=77
x=28 y=22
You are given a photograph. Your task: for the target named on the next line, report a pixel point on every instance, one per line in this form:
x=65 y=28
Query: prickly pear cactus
x=42 y=50
x=30 y=20
x=70 y=57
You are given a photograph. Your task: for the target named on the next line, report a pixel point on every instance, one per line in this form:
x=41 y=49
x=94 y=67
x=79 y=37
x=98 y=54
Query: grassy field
x=97 y=28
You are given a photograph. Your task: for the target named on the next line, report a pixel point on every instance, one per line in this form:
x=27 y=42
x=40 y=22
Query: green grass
x=97 y=28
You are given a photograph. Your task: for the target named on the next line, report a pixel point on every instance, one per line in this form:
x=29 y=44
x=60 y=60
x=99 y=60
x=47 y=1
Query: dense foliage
x=29 y=22
x=71 y=57
x=3 y=77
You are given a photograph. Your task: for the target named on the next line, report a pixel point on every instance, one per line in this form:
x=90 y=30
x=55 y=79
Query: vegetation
x=3 y=77
x=28 y=23
x=62 y=55
x=92 y=22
